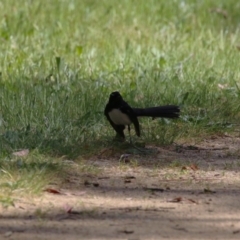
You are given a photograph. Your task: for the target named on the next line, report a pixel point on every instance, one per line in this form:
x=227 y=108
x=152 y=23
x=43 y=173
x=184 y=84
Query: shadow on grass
x=56 y=146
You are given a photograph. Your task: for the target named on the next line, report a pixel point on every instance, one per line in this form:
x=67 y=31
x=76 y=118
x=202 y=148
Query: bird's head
x=115 y=97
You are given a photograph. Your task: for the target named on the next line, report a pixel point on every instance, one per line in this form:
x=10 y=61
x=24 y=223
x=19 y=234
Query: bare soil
x=175 y=192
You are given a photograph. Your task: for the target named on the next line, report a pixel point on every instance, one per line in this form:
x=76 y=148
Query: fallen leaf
x=128 y=199
x=207 y=190
x=125 y=158
x=68 y=209
x=194 y=167
x=100 y=178
x=69 y=162
x=184 y=168
x=8 y=234
x=154 y=189
x=222 y=86
x=180 y=229
x=76 y=193
x=51 y=190
x=220 y=12
x=21 y=207
x=175 y=200
x=86 y=183
x=130 y=177
x=127 y=231
x=21 y=153
x=191 y=147
x=106 y=152
x=75 y=212
x=192 y=201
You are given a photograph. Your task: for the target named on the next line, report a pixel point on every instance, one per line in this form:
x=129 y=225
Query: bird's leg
x=119 y=138
x=139 y=149
x=129 y=130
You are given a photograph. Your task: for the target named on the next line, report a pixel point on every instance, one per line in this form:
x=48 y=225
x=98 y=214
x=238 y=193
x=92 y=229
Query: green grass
x=26 y=176
x=59 y=61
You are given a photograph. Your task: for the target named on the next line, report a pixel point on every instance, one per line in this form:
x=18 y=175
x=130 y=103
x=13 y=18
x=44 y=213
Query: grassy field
x=60 y=60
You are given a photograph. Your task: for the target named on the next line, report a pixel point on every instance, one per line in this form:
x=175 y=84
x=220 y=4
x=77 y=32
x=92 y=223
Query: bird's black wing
x=125 y=108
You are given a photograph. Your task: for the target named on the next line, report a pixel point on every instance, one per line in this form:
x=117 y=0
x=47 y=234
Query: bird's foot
x=119 y=138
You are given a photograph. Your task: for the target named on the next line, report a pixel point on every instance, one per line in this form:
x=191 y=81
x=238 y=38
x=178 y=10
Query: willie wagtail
x=120 y=114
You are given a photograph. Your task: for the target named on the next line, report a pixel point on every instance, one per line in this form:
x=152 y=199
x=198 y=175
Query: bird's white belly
x=119 y=118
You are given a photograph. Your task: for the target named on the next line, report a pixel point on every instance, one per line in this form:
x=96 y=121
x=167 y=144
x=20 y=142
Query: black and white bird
x=120 y=114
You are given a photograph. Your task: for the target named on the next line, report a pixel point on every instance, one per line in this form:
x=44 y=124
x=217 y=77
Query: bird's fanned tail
x=168 y=111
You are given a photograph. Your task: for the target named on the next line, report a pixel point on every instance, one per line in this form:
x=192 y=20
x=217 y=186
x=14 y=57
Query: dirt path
x=178 y=193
